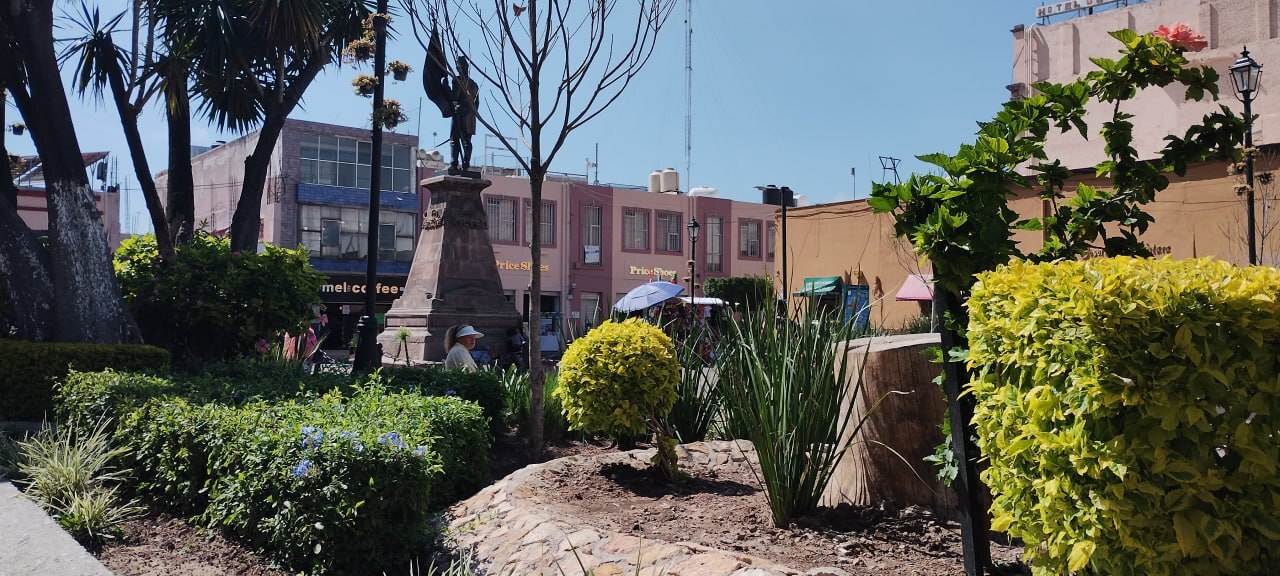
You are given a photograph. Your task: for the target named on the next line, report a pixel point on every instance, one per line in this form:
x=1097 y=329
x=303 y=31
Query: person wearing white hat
x=458 y=341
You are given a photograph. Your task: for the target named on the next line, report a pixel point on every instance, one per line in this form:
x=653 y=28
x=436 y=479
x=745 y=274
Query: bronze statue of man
x=458 y=98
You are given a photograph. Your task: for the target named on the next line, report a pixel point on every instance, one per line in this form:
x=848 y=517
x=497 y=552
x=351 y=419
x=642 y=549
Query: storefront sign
x=352 y=289
x=1062 y=7
x=654 y=271
x=524 y=266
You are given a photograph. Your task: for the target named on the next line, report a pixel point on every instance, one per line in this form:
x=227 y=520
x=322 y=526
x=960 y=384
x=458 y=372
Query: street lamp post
x=368 y=354
x=780 y=197
x=694 y=228
x=1245 y=75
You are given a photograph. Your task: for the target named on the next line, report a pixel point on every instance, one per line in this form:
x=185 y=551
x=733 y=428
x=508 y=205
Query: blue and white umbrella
x=646 y=295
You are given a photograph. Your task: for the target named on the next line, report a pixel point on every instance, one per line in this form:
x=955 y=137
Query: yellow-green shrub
x=619 y=378
x=1130 y=413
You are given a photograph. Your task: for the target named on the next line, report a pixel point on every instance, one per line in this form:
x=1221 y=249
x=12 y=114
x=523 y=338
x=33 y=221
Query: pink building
x=601 y=241
x=1060 y=52
x=33 y=205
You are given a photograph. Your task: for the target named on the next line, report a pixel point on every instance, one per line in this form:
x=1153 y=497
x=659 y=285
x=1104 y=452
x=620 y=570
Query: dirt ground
x=160 y=545
x=724 y=507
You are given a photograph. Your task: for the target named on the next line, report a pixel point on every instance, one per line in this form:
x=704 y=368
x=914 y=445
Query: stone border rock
x=32 y=543
x=502 y=530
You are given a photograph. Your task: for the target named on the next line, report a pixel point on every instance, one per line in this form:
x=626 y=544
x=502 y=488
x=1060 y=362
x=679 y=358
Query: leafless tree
x=1266 y=208
x=547 y=67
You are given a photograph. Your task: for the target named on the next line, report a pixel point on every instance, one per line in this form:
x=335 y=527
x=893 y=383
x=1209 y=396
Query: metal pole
x=693 y=266
x=786 y=296
x=1248 y=177
x=368 y=354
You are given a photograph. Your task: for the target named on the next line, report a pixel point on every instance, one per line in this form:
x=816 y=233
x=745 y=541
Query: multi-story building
x=598 y=241
x=1198 y=215
x=33 y=205
x=317 y=197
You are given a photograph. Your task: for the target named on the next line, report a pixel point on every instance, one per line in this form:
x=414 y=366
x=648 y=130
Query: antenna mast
x=688 y=94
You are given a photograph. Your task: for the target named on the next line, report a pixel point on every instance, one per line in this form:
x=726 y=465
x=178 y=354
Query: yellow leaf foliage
x=618 y=378
x=1130 y=413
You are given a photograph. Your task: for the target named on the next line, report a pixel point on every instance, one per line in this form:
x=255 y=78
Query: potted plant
x=364 y=84
x=390 y=115
x=17 y=128
x=359 y=50
x=399 y=70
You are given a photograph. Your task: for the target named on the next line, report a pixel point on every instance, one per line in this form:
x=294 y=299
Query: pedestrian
x=458 y=342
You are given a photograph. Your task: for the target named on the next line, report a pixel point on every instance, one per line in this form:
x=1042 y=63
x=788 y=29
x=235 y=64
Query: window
x=592 y=235
x=502 y=219
x=548 y=223
x=337 y=161
x=341 y=232
x=635 y=229
x=768 y=240
x=749 y=239
x=715 y=244
x=669 y=232
x=590 y=309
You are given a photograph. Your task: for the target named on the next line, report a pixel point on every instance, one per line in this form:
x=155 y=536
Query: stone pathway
x=504 y=530
x=32 y=544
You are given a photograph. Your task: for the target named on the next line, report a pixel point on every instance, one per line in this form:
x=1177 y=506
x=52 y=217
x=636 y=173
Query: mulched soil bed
x=160 y=545
x=724 y=507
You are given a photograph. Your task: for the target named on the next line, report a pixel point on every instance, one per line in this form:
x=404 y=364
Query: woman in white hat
x=458 y=341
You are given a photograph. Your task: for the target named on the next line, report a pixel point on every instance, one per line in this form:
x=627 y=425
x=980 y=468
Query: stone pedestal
x=454 y=277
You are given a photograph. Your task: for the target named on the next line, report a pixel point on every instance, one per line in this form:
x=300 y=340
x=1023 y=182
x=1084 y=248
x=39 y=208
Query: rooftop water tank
x=655 y=181
x=670 y=180
x=704 y=191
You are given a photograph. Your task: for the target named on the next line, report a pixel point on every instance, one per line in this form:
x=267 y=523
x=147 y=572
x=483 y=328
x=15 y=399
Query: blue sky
x=787 y=93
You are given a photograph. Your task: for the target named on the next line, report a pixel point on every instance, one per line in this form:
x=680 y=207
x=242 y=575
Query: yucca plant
x=515 y=385
x=699 y=398
x=785 y=382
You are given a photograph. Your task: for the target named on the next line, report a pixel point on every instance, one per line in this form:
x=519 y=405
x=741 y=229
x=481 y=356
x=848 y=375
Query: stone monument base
x=453 y=280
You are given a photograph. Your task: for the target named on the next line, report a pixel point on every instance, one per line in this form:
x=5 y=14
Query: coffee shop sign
x=1056 y=8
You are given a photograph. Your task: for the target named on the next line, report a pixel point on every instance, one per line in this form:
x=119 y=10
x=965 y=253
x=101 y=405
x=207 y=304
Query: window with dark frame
x=592 y=235
x=769 y=240
x=749 y=239
x=635 y=229
x=670 y=232
x=715 y=244
x=341 y=232
x=548 y=223
x=502 y=219
x=346 y=162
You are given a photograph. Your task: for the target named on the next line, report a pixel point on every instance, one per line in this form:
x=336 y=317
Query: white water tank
x=670 y=180
x=704 y=191
x=801 y=200
x=655 y=181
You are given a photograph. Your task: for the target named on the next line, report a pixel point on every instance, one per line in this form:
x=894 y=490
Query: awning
x=916 y=287
x=704 y=301
x=820 y=286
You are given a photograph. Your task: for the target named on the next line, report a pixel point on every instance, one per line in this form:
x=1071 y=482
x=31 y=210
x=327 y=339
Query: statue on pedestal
x=458 y=97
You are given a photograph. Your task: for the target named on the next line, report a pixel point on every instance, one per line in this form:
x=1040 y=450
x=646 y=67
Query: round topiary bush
x=621 y=378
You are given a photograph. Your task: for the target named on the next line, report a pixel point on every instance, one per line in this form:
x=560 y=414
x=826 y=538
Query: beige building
x=1199 y=215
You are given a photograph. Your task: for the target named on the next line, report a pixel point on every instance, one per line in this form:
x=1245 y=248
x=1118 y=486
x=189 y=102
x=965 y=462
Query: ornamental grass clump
x=621 y=378
x=1128 y=410
x=785 y=381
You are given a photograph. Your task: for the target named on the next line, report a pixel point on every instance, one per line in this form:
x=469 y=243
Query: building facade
x=598 y=241
x=1198 y=215
x=33 y=206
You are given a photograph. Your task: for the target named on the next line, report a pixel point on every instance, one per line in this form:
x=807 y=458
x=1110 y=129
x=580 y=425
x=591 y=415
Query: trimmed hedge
x=1129 y=411
x=333 y=484
x=744 y=292
x=483 y=388
x=31 y=369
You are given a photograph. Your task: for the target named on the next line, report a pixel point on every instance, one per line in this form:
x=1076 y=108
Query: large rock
x=454 y=277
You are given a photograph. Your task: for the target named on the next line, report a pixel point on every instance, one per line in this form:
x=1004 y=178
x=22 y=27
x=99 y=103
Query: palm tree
x=251 y=61
x=100 y=65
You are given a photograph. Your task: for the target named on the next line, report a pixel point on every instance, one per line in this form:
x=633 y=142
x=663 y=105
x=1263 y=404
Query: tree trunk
x=885 y=462
x=88 y=304
x=141 y=168
x=181 y=193
x=245 y=224
x=537 y=376
x=24 y=267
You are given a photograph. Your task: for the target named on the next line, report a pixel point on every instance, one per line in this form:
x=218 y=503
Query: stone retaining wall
x=505 y=531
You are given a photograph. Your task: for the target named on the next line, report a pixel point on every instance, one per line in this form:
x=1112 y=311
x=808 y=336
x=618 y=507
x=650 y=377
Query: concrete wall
x=1060 y=52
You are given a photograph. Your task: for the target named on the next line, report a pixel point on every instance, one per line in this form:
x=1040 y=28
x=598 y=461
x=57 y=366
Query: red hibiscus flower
x=1182 y=36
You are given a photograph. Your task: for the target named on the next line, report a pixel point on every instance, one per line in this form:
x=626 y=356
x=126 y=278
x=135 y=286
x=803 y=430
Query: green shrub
x=330 y=484
x=784 y=384
x=743 y=292
x=210 y=303
x=483 y=388
x=621 y=378
x=1128 y=409
x=31 y=369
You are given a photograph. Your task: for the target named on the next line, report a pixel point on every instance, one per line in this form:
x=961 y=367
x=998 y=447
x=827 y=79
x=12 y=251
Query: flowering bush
x=1182 y=36
x=325 y=485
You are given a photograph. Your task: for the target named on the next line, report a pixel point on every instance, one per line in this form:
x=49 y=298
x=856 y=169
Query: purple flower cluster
x=392 y=439
x=311 y=437
x=301 y=469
